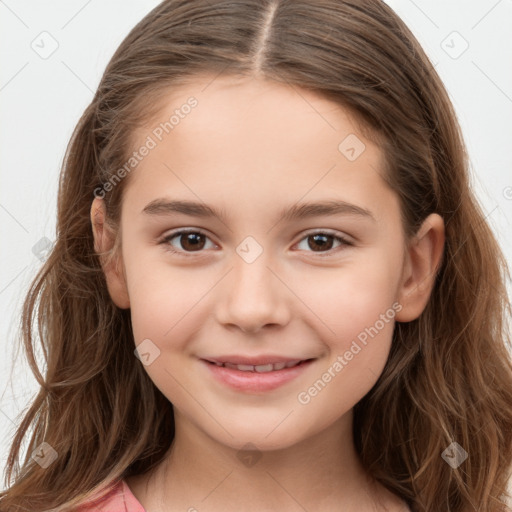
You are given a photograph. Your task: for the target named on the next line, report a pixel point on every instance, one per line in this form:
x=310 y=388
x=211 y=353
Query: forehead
x=216 y=136
x=249 y=102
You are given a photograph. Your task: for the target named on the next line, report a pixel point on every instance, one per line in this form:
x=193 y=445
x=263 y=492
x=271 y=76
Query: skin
x=251 y=148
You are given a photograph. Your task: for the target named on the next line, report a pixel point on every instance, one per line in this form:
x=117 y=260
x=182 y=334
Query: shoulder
x=119 y=499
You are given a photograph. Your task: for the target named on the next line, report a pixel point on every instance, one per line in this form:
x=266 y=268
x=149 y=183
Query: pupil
x=323 y=244
x=194 y=239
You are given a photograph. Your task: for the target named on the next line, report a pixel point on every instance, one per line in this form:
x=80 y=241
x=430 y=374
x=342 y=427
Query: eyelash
x=166 y=241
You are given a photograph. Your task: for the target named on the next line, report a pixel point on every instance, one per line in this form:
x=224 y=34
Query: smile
x=261 y=368
x=256 y=378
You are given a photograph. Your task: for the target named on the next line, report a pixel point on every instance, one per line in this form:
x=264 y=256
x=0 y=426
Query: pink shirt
x=120 y=499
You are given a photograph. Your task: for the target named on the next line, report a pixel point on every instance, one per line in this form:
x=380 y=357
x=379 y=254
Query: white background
x=41 y=100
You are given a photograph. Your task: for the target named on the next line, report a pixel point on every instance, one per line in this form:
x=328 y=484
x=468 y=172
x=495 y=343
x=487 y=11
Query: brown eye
x=321 y=242
x=192 y=241
x=187 y=241
x=182 y=242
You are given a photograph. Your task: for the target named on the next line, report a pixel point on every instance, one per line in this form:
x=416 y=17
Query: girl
x=272 y=287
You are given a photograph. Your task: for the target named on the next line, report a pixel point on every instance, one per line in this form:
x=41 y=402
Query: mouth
x=256 y=378
x=260 y=368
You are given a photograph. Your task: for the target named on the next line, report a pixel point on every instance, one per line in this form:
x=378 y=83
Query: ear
x=422 y=260
x=104 y=243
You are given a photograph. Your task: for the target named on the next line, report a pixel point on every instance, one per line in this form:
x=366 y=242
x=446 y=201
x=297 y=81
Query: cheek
x=351 y=298
x=166 y=312
x=359 y=307
x=165 y=299
x=161 y=307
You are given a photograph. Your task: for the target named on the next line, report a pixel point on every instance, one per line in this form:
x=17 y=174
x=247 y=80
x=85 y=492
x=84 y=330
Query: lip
x=255 y=382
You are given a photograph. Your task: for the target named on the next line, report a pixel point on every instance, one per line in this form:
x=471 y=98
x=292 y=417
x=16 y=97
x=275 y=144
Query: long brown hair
x=449 y=373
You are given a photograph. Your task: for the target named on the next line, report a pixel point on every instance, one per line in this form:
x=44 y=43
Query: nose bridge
x=252 y=296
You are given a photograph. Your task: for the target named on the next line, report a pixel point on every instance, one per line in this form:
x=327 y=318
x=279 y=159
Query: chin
x=253 y=437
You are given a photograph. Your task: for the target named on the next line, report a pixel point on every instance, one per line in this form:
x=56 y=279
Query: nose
x=253 y=296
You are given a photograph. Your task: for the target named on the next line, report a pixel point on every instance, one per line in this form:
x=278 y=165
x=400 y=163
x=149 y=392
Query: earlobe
x=104 y=245
x=423 y=258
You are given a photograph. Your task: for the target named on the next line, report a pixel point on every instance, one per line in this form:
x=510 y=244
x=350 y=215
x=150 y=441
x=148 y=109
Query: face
x=250 y=283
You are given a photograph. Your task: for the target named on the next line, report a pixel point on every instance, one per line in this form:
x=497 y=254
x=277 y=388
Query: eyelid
x=332 y=232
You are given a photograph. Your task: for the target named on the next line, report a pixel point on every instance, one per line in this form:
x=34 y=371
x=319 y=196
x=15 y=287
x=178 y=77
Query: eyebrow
x=164 y=206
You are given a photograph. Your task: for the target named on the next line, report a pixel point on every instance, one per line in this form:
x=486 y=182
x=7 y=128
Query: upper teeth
x=261 y=367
